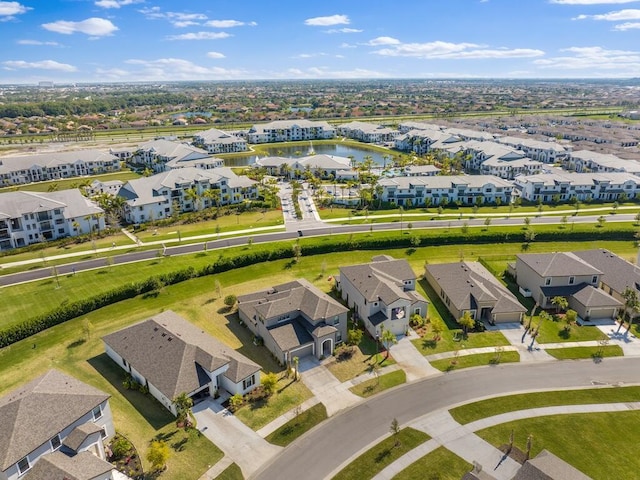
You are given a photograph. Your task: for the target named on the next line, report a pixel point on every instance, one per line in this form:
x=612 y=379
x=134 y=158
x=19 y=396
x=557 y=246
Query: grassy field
x=380 y=384
x=384 y=453
x=441 y=464
x=576 y=353
x=297 y=426
x=477 y=360
x=552 y=332
x=494 y=406
x=584 y=450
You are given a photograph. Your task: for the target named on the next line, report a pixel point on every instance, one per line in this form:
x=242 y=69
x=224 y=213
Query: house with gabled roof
x=295 y=319
x=564 y=274
x=55 y=424
x=290 y=131
x=171 y=356
x=216 y=141
x=470 y=287
x=382 y=294
x=158 y=154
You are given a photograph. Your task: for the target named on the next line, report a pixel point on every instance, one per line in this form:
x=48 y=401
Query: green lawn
x=580 y=439
x=367 y=352
x=452 y=339
x=232 y=472
x=294 y=428
x=377 y=385
x=494 y=406
x=384 y=453
x=477 y=360
x=575 y=353
x=288 y=395
x=441 y=464
x=553 y=332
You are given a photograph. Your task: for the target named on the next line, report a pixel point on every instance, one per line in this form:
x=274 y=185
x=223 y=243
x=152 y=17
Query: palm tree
x=387 y=338
x=192 y=195
x=560 y=303
x=631 y=305
x=183 y=404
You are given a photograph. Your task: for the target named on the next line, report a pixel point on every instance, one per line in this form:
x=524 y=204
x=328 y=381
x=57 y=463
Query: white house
x=160 y=155
x=172 y=356
x=58 y=423
x=367 y=132
x=216 y=141
x=290 y=131
x=33 y=217
x=382 y=294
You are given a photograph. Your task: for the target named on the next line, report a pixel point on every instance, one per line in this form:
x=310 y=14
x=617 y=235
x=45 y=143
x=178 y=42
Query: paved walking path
x=217 y=469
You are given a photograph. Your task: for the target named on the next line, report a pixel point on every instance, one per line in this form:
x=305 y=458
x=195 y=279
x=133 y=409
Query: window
x=23 y=465
x=248 y=382
x=103 y=433
x=547 y=281
x=55 y=442
x=594 y=279
x=572 y=280
x=97 y=412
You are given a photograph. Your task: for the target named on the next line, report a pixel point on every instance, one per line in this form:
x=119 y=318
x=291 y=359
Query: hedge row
x=70 y=310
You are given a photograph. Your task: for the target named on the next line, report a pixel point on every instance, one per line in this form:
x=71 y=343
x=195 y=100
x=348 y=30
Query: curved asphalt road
x=319 y=452
x=39 y=273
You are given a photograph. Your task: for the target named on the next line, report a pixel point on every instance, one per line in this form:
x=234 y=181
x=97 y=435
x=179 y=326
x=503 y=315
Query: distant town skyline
x=65 y=41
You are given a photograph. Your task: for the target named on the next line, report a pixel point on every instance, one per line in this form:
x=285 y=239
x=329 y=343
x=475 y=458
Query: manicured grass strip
x=384 y=453
x=452 y=339
x=477 y=360
x=494 y=406
x=574 y=353
x=377 y=385
x=289 y=393
x=232 y=472
x=553 y=332
x=441 y=464
x=595 y=430
x=295 y=427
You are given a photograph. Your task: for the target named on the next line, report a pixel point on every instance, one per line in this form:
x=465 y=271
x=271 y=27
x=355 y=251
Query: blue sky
x=161 y=40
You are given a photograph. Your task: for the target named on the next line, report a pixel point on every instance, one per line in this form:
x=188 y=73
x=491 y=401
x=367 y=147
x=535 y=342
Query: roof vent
x=169 y=339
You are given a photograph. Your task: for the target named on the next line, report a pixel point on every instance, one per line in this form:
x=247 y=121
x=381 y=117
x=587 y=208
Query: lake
x=302 y=150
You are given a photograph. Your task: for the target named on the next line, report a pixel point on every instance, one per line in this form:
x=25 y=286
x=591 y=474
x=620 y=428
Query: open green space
x=298 y=425
x=289 y=393
x=591 y=446
x=476 y=360
x=441 y=464
x=232 y=472
x=553 y=332
x=494 y=406
x=384 y=453
x=379 y=384
x=576 y=353
x=73 y=182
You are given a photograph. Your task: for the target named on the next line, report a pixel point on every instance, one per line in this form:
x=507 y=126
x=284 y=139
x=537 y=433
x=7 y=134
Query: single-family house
x=470 y=287
x=295 y=319
x=382 y=294
x=564 y=274
x=172 y=356
x=55 y=424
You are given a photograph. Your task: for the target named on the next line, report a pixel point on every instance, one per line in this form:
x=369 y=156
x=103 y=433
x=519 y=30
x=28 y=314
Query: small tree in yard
x=183 y=405
x=388 y=339
x=354 y=336
x=395 y=431
x=437 y=329
x=235 y=402
x=230 y=300
x=570 y=318
x=120 y=447
x=466 y=322
x=269 y=383
x=158 y=455
x=561 y=303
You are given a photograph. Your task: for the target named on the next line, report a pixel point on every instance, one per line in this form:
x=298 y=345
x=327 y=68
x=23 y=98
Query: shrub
x=235 y=402
x=269 y=383
x=120 y=447
x=230 y=300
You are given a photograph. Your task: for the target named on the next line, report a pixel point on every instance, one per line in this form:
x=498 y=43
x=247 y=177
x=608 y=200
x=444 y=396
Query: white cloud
x=115 y=3
x=627 y=14
x=328 y=21
x=325 y=72
x=96 y=27
x=347 y=45
x=42 y=65
x=383 y=41
x=593 y=60
x=343 y=30
x=215 y=55
x=37 y=42
x=627 y=26
x=447 y=50
x=180 y=69
x=177 y=19
x=199 y=36
x=590 y=2
x=229 y=23
x=9 y=9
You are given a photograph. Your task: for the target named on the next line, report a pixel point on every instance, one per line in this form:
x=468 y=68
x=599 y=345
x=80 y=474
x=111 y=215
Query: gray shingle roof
x=80 y=434
x=32 y=414
x=291 y=334
x=559 y=264
x=618 y=273
x=54 y=159
x=58 y=466
x=547 y=466
x=166 y=348
x=16 y=204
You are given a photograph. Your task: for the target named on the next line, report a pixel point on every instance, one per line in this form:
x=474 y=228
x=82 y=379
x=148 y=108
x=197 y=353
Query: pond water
x=304 y=148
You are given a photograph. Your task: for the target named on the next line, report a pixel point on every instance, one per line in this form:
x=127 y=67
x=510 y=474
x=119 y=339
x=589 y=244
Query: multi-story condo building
x=18 y=170
x=33 y=217
x=565 y=186
x=216 y=141
x=368 y=132
x=546 y=152
x=161 y=155
x=290 y=131
x=444 y=189
x=187 y=189
x=588 y=161
x=491 y=158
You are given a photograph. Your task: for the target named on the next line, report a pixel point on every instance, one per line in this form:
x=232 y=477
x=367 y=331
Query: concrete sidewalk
x=325 y=387
x=408 y=358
